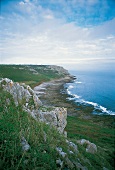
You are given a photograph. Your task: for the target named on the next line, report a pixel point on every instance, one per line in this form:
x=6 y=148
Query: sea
x=93 y=88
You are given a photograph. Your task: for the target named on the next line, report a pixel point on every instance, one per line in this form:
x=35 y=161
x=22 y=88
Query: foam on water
x=73 y=96
x=78 y=98
x=78 y=82
x=99 y=107
x=70 y=87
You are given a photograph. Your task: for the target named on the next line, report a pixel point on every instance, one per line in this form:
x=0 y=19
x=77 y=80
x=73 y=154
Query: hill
x=33 y=136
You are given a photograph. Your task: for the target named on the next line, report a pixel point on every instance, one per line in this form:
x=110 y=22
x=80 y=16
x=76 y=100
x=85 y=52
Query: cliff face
x=23 y=95
x=56 y=117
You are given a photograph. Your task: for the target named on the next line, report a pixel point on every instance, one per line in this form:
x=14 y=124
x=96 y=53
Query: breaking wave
x=78 y=98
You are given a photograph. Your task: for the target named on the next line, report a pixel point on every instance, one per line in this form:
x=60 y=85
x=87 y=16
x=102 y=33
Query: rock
x=8 y=101
x=69 y=163
x=61 y=114
x=61 y=153
x=71 y=152
x=37 y=101
x=44 y=136
x=105 y=168
x=59 y=163
x=25 y=145
x=25 y=96
x=91 y=147
x=21 y=93
x=56 y=117
x=65 y=134
x=73 y=146
x=78 y=166
x=83 y=141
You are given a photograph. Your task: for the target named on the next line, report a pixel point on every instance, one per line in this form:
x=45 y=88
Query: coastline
x=53 y=93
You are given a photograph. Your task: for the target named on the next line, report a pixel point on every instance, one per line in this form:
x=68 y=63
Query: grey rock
x=25 y=145
x=59 y=163
x=61 y=153
x=56 y=117
x=91 y=147
x=20 y=93
x=79 y=166
x=65 y=134
x=105 y=168
x=71 y=152
x=83 y=141
x=24 y=95
x=69 y=163
x=44 y=136
x=73 y=146
x=7 y=101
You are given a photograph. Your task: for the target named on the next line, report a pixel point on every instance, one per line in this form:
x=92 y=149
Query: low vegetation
x=29 y=74
x=43 y=139
x=102 y=136
x=16 y=124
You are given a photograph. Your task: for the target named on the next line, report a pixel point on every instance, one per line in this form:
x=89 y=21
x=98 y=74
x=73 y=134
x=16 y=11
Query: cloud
x=34 y=34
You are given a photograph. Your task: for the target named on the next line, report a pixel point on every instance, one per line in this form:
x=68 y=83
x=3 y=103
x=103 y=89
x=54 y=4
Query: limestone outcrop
x=90 y=147
x=56 y=116
x=23 y=95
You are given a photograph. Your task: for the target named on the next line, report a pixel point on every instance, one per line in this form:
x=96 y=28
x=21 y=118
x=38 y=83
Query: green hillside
x=16 y=124
x=29 y=74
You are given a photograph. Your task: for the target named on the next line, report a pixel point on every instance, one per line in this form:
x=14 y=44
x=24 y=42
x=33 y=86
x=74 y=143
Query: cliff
x=23 y=95
x=25 y=98
x=32 y=134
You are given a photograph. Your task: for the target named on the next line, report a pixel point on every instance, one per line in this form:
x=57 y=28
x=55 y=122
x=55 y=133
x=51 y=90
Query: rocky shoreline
x=54 y=93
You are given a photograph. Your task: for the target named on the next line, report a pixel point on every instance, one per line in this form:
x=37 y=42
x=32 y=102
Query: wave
x=73 y=96
x=70 y=87
x=98 y=107
x=78 y=82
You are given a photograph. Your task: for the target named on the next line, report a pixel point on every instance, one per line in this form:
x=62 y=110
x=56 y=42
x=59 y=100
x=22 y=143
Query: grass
x=103 y=137
x=27 y=73
x=16 y=124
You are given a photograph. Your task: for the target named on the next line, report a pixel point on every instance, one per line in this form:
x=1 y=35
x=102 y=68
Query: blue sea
x=94 y=88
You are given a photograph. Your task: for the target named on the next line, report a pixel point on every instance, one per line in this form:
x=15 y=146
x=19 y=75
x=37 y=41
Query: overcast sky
x=63 y=32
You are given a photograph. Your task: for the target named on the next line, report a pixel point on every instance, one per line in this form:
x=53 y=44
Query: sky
x=71 y=33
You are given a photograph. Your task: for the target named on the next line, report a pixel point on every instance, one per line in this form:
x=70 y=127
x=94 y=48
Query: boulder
x=59 y=163
x=25 y=145
x=56 y=117
x=72 y=146
x=60 y=152
x=90 y=147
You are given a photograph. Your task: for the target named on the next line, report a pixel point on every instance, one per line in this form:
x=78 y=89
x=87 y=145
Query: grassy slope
x=102 y=136
x=15 y=123
x=23 y=73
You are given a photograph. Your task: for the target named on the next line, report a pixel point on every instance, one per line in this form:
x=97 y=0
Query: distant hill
x=32 y=74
